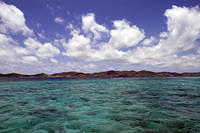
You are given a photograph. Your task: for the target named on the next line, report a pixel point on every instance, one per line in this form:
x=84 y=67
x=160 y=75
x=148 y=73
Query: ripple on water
x=128 y=105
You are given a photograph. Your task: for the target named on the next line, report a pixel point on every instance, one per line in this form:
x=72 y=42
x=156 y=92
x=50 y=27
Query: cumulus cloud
x=4 y=40
x=90 y=25
x=183 y=31
x=29 y=59
x=123 y=45
x=17 y=55
x=40 y=35
x=198 y=50
x=149 y=41
x=80 y=46
x=183 y=28
x=12 y=20
x=34 y=57
x=163 y=34
x=9 y=49
x=11 y=52
x=53 y=60
x=124 y=35
x=81 y=67
x=45 y=50
x=59 y=20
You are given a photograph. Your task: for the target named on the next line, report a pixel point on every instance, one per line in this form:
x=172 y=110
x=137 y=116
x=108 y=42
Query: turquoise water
x=123 y=105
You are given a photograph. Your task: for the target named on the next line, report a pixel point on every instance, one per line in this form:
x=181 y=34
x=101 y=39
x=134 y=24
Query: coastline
x=97 y=75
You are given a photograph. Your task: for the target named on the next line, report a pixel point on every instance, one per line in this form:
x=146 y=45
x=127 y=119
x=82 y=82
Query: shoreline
x=91 y=78
x=97 y=75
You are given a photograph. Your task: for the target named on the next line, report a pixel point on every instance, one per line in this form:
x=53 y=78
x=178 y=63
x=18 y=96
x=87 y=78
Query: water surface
x=121 y=105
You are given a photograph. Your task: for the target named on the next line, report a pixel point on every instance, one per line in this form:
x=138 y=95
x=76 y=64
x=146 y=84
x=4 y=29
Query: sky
x=51 y=36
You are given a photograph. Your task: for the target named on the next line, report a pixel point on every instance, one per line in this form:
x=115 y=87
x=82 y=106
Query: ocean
x=115 y=105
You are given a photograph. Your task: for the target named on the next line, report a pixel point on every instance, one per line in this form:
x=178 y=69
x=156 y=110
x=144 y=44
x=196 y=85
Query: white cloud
x=81 y=47
x=41 y=36
x=69 y=27
x=5 y=39
x=32 y=44
x=81 y=67
x=124 y=35
x=58 y=35
x=9 y=49
x=78 y=47
x=163 y=34
x=90 y=25
x=183 y=31
x=45 y=50
x=149 y=41
x=72 y=29
x=59 y=20
x=11 y=53
x=198 y=50
x=183 y=28
x=29 y=59
x=16 y=57
x=6 y=50
x=12 y=20
x=54 y=60
x=60 y=42
x=95 y=42
x=21 y=51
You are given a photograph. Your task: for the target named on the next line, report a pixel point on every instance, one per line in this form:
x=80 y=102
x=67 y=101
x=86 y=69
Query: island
x=106 y=74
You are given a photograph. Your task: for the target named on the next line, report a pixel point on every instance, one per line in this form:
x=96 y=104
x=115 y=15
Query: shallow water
x=123 y=105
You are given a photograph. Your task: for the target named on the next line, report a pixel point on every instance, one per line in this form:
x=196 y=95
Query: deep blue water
x=121 y=105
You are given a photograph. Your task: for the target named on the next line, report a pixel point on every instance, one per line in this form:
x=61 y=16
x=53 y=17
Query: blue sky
x=89 y=36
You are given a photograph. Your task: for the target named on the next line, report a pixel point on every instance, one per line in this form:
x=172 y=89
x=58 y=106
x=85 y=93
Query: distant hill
x=107 y=74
